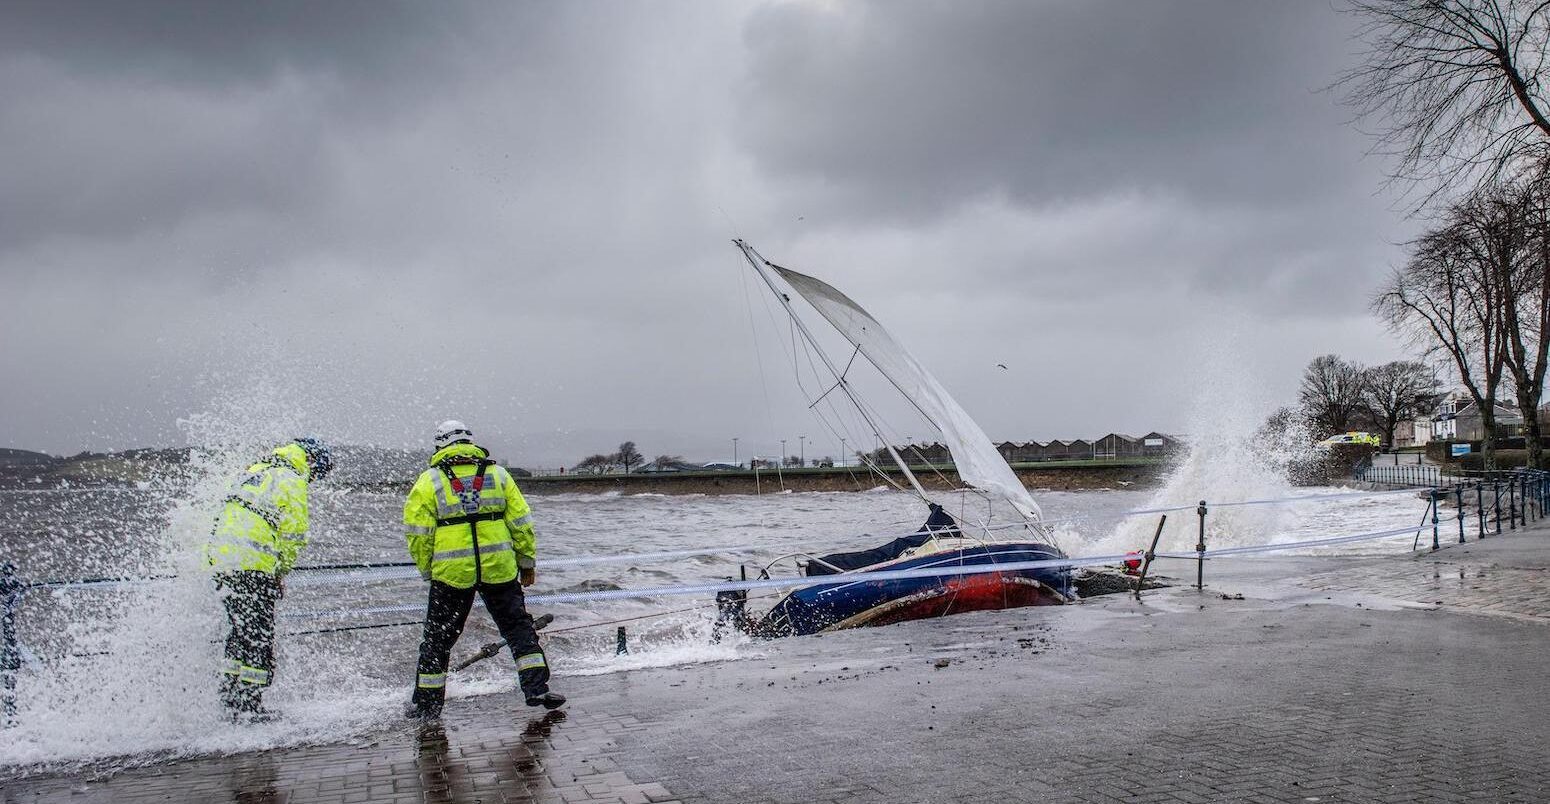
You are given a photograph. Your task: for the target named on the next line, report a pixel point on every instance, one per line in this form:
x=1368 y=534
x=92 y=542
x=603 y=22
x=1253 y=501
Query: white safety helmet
x=451 y=432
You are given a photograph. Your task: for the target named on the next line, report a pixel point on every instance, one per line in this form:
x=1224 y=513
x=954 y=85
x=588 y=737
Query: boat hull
x=852 y=601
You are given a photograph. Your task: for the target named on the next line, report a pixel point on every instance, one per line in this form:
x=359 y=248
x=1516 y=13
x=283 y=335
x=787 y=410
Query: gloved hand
x=528 y=576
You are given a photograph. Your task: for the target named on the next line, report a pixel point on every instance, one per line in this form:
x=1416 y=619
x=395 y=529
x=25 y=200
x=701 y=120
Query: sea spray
x=1230 y=456
x=131 y=669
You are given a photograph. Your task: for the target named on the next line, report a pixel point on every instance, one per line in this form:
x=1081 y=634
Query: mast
x=759 y=266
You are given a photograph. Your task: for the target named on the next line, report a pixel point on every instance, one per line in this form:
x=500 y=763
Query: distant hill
x=353 y=465
x=24 y=457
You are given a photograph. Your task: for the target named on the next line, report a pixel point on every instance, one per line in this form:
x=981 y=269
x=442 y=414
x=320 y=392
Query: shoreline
x=1049 y=475
x=1064 y=476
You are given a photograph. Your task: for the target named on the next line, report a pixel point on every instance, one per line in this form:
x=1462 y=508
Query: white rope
x=868 y=577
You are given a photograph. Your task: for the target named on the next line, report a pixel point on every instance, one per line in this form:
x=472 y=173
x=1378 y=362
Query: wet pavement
x=1386 y=679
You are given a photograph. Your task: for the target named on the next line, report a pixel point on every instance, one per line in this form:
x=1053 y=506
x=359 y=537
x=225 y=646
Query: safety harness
x=271 y=518
x=468 y=494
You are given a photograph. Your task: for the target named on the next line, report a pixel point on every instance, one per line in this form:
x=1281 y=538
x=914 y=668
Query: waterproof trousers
x=248 y=667
x=444 y=618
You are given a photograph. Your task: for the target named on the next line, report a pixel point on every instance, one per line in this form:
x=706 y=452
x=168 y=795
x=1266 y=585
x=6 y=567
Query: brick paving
x=1187 y=697
x=1464 y=578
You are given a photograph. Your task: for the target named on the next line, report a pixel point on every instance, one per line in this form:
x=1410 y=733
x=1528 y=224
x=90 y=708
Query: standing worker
x=469 y=530
x=260 y=532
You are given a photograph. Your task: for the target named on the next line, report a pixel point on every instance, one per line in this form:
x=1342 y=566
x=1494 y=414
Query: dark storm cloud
x=136 y=117
x=216 y=45
x=910 y=108
x=297 y=211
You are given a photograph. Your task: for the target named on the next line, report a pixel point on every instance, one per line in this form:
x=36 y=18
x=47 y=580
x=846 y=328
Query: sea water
x=126 y=673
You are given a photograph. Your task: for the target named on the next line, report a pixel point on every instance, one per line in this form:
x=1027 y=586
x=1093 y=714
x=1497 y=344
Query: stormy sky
x=354 y=219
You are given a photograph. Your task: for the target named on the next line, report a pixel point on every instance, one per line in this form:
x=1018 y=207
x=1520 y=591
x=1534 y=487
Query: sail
x=979 y=464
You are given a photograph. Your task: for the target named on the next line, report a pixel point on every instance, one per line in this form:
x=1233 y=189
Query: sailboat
x=908 y=590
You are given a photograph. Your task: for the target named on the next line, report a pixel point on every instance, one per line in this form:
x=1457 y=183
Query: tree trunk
x=1529 y=407
x=1488 y=437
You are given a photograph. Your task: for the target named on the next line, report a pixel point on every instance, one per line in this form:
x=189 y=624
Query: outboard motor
x=731 y=610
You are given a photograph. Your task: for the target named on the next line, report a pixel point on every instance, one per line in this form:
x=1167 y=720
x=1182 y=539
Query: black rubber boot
x=245 y=703
x=424 y=712
x=549 y=700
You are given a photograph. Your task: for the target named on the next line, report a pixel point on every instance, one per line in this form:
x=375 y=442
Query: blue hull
x=853 y=601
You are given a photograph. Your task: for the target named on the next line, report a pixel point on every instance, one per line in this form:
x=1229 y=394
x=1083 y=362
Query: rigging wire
x=753 y=334
x=791 y=354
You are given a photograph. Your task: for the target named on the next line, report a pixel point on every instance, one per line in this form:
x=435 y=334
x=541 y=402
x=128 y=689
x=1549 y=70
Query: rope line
x=405 y=570
x=891 y=575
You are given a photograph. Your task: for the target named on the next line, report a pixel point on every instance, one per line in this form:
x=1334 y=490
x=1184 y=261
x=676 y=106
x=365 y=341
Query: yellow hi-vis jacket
x=466 y=521
x=263 y=525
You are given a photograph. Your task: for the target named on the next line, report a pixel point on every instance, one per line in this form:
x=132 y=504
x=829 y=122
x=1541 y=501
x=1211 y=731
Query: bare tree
x=1525 y=308
x=1331 y=393
x=1446 y=301
x=667 y=461
x=1453 y=87
x=1397 y=391
x=628 y=456
x=596 y=464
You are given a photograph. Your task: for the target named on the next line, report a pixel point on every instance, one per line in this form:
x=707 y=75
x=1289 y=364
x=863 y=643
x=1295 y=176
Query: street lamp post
x=844 y=455
x=802 y=448
x=783 y=452
x=734 y=453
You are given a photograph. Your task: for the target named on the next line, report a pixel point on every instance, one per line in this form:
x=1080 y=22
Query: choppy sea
x=125 y=673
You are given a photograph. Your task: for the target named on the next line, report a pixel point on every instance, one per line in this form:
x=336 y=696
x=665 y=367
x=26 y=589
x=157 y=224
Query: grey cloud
x=359 y=224
x=909 y=108
x=197 y=44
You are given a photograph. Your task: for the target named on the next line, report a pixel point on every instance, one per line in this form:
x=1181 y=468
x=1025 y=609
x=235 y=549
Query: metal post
x=1512 y=505
x=1436 y=543
x=620 y=648
x=1459 y=494
x=1151 y=554
x=1496 y=491
x=1480 y=505
x=10 y=654
x=1200 y=549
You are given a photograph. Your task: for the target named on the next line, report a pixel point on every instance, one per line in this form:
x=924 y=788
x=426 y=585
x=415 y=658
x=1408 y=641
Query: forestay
x=979 y=464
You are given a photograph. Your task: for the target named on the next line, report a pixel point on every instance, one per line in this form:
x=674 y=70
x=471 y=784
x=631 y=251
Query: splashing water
x=1231 y=457
x=134 y=665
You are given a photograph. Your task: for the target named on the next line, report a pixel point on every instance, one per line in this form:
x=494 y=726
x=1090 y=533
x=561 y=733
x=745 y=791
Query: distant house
x=1458 y=419
x=934 y=454
x=1415 y=432
x=1080 y=449
x=1014 y=452
x=1156 y=445
x=1117 y=445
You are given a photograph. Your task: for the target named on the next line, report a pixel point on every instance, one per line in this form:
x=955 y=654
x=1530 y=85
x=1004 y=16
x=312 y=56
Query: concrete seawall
x=1063 y=476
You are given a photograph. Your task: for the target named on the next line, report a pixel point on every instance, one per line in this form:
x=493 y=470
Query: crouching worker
x=258 y=536
x=469 y=531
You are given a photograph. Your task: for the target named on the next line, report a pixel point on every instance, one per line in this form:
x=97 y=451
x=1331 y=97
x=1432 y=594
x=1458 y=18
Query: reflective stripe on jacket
x=263 y=523
x=477 y=536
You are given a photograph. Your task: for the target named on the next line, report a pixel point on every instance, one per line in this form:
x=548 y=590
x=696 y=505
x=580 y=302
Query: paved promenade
x=1391 y=679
